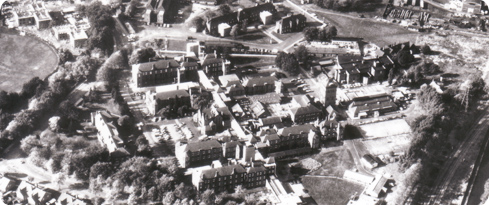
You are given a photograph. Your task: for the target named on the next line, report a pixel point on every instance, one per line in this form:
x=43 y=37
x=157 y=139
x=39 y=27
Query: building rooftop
x=295 y=130
x=259 y=81
x=226 y=79
x=202 y=145
x=222 y=171
x=157 y=65
x=172 y=94
x=270 y=121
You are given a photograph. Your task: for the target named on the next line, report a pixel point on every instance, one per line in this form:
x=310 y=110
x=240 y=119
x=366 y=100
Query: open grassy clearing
x=333 y=163
x=330 y=190
x=376 y=32
x=22 y=58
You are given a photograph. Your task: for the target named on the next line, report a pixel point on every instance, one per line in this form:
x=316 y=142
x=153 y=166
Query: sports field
x=22 y=58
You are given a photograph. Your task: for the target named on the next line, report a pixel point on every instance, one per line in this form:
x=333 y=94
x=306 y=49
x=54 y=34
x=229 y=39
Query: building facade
x=194 y=153
x=291 y=23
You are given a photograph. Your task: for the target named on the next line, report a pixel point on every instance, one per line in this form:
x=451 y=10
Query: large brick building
x=228 y=177
x=291 y=23
x=163 y=72
x=192 y=153
x=157 y=101
x=251 y=14
x=260 y=85
x=356 y=69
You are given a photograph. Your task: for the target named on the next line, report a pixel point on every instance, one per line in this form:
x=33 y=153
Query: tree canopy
x=142 y=56
x=287 y=62
x=325 y=34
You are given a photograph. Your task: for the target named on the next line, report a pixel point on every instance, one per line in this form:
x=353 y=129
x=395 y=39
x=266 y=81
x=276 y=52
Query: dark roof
x=349 y=59
x=255 y=169
x=222 y=171
x=295 y=130
x=264 y=132
x=208 y=61
x=260 y=81
x=190 y=64
x=202 y=145
x=232 y=144
x=270 y=137
x=172 y=94
x=386 y=60
x=270 y=120
x=161 y=64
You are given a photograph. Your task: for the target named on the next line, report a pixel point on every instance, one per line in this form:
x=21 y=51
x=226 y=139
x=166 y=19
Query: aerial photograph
x=227 y=102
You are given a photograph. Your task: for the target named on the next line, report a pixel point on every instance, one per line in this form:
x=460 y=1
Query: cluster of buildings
x=221 y=25
x=16 y=191
x=64 y=25
x=157 y=11
x=263 y=13
x=27 y=14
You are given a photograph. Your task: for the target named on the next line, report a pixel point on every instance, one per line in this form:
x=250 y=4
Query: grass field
x=22 y=58
x=376 y=32
x=333 y=163
x=330 y=190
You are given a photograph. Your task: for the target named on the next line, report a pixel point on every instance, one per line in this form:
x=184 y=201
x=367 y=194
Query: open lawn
x=379 y=33
x=330 y=190
x=385 y=128
x=333 y=163
x=22 y=58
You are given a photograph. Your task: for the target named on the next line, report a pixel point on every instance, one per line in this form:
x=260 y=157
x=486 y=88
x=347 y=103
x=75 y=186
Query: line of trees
x=102 y=26
x=443 y=113
x=316 y=34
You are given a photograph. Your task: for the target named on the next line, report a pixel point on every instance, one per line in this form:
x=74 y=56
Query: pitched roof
x=202 y=145
x=189 y=64
x=208 y=61
x=270 y=120
x=302 y=100
x=349 y=59
x=270 y=137
x=161 y=64
x=232 y=144
x=222 y=171
x=226 y=79
x=260 y=81
x=171 y=94
x=258 y=108
x=295 y=130
x=255 y=169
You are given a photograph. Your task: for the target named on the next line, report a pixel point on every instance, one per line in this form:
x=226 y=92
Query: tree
x=332 y=32
x=198 y=23
x=425 y=49
x=208 y=197
x=69 y=112
x=244 y=26
x=131 y=9
x=169 y=198
x=311 y=33
x=101 y=25
x=85 y=67
x=30 y=142
x=103 y=169
x=30 y=88
x=65 y=55
x=142 y=56
x=301 y=54
x=107 y=75
x=224 y=9
x=430 y=100
x=234 y=31
x=59 y=179
x=404 y=57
